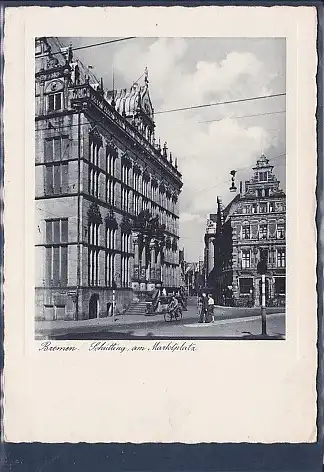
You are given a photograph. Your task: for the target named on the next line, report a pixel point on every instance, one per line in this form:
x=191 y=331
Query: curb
x=40 y=334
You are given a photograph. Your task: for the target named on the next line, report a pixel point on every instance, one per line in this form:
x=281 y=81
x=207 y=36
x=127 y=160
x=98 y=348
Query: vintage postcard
x=160 y=237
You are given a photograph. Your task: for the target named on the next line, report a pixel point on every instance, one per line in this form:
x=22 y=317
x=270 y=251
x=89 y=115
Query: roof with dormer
x=130 y=102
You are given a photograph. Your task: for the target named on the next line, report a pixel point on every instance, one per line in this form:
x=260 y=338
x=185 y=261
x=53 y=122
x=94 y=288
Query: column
x=151 y=269
x=152 y=249
x=143 y=268
x=135 y=278
x=158 y=269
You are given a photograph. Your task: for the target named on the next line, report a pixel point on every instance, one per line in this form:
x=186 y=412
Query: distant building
x=193 y=277
x=253 y=223
x=107 y=215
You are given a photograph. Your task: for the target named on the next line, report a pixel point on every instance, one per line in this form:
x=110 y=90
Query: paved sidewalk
x=61 y=326
x=58 y=327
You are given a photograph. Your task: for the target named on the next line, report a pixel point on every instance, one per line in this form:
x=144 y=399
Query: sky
x=193 y=71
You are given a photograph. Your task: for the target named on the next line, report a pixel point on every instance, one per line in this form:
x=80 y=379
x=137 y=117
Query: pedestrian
x=210 y=312
x=204 y=308
x=164 y=293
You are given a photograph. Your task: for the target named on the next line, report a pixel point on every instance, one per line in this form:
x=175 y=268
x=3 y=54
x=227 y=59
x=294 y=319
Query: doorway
x=94 y=306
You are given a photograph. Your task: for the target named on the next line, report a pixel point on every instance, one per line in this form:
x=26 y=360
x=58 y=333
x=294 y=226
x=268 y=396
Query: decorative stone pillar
x=143 y=262
x=135 y=281
x=151 y=268
x=158 y=269
x=152 y=248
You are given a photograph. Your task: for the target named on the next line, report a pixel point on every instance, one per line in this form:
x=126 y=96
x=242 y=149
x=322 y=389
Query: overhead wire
x=244 y=116
x=227 y=102
x=207 y=121
x=91 y=45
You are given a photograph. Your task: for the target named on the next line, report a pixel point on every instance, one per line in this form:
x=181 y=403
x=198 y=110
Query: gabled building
x=253 y=223
x=106 y=196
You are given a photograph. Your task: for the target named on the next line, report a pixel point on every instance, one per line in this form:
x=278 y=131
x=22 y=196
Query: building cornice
x=85 y=96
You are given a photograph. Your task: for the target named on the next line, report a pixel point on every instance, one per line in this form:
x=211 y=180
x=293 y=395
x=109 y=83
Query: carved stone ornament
x=52 y=62
x=126 y=159
x=112 y=146
x=146 y=174
x=46 y=77
x=126 y=225
x=54 y=86
x=110 y=220
x=94 y=214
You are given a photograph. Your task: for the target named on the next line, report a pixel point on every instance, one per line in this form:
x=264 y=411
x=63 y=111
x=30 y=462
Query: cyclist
x=173 y=306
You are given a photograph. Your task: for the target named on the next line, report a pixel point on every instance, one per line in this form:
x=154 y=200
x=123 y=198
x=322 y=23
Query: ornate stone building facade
x=253 y=224
x=106 y=192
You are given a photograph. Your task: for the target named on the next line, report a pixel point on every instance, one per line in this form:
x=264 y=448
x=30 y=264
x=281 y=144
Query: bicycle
x=174 y=315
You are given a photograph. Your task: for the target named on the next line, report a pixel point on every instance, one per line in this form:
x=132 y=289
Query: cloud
x=189 y=217
x=206 y=152
x=188 y=72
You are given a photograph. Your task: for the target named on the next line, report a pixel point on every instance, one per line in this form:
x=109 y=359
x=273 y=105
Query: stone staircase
x=136 y=308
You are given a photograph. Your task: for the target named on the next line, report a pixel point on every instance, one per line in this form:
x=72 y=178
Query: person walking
x=210 y=309
x=204 y=308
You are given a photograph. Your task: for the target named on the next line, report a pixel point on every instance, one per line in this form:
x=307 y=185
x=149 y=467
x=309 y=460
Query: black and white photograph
x=160 y=188
x=160 y=225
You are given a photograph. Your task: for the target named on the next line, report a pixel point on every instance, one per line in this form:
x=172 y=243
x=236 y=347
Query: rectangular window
x=246 y=209
x=246 y=259
x=246 y=286
x=110 y=238
x=112 y=165
x=246 y=232
x=55 y=101
x=56 y=233
x=56 y=149
x=263 y=208
x=48 y=154
x=109 y=269
x=271 y=207
x=48 y=231
x=56 y=178
x=263 y=176
x=263 y=231
x=280 y=231
x=280 y=285
x=93 y=254
x=64 y=231
x=281 y=258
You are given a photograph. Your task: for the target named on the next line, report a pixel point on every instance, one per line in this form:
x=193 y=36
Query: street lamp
x=232 y=187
